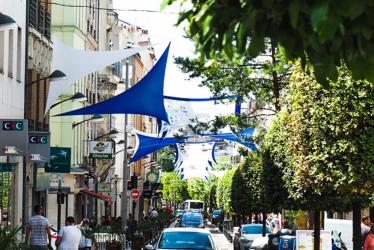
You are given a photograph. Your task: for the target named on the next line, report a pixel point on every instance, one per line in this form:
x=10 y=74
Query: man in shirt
x=38 y=231
x=69 y=236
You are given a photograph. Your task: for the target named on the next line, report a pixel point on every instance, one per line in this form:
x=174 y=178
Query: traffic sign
x=135 y=194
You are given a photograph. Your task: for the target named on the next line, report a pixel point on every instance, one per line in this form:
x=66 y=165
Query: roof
x=186 y=229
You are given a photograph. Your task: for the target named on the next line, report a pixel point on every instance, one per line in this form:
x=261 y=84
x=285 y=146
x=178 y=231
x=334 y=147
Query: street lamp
x=94 y=118
x=112 y=134
x=54 y=76
x=6 y=20
x=76 y=97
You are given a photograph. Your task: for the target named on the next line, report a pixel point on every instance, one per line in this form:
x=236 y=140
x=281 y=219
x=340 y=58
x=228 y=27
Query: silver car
x=248 y=233
x=184 y=238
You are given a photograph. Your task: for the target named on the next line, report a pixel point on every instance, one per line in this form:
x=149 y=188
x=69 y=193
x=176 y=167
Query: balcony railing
x=40 y=19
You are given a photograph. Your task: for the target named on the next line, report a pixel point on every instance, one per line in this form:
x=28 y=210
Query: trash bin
x=273 y=241
x=287 y=242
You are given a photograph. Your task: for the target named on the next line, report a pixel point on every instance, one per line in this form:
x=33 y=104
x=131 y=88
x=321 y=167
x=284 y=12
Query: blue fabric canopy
x=145 y=98
x=148 y=143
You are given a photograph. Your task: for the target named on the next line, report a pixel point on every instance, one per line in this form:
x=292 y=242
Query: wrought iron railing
x=40 y=19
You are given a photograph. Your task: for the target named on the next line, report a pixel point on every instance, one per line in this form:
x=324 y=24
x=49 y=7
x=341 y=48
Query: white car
x=184 y=238
x=246 y=236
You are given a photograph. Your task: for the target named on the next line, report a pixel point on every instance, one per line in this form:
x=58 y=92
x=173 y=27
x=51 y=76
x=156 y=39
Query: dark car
x=190 y=219
x=216 y=215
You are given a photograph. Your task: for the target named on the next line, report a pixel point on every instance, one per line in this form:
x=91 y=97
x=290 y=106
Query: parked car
x=216 y=216
x=246 y=234
x=184 y=238
x=179 y=213
x=191 y=219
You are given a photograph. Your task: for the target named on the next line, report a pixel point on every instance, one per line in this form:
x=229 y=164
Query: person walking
x=38 y=231
x=369 y=241
x=69 y=236
x=365 y=227
x=85 y=242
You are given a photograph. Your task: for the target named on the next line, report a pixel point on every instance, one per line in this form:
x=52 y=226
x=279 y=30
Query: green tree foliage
x=325 y=31
x=165 y=158
x=324 y=142
x=171 y=180
x=224 y=190
x=198 y=189
x=247 y=192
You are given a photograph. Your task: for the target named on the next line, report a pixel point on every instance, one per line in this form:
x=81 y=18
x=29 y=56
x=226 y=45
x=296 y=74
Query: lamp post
x=55 y=75
x=124 y=167
x=76 y=97
x=94 y=118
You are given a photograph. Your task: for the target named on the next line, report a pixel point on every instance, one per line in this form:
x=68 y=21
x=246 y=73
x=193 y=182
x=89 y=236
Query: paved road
x=219 y=239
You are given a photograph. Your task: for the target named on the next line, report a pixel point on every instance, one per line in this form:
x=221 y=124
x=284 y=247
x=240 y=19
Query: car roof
x=251 y=225
x=186 y=229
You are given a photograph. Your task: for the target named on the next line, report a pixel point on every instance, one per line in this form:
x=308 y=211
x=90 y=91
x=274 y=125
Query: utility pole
x=125 y=167
x=59 y=201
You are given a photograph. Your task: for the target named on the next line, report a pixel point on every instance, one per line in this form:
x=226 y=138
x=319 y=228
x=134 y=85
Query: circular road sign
x=135 y=194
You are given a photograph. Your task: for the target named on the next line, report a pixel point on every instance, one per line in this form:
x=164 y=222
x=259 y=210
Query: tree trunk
x=357 y=239
x=371 y=213
x=317 y=228
x=276 y=86
x=263 y=224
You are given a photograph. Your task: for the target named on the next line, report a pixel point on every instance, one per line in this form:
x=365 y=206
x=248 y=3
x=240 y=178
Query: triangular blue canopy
x=148 y=144
x=145 y=98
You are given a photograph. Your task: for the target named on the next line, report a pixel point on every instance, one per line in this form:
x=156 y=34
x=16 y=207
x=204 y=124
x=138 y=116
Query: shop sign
x=152 y=176
x=305 y=240
x=101 y=149
x=60 y=160
x=13 y=133
x=6 y=167
x=39 y=143
x=103 y=187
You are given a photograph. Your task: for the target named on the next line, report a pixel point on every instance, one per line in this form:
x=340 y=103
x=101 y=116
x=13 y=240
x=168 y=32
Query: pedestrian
x=275 y=224
x=154 y=213
x=369 y=241
x=69 y=236
x=365 y=227
x=38 y=231
x=131 y=227
x=85 y=242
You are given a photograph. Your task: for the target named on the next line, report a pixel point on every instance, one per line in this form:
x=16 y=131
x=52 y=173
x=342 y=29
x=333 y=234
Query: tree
x=172 y=181
x=165 y=158
x=260 y=79
x=323 y=31
x=324 y=143
x=223 y=192
x=198 y=189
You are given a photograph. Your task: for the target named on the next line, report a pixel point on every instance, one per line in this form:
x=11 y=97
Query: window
x=19 y=53
x=10 y=54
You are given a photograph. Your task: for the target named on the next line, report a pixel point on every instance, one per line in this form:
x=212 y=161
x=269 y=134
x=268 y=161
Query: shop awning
x=97 y=195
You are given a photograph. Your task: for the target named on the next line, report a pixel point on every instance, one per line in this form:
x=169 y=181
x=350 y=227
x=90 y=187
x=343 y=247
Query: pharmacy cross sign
x=60 y=160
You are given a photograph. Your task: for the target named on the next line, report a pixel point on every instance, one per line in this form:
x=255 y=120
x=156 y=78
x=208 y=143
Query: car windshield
x=193 y=217
x=217 y=212
x=253 y=229
x=185 y=240
x=196 y=205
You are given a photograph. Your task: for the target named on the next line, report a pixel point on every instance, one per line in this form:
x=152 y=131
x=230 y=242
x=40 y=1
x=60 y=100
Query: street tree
x=325 y=32
x=173 y=185
x=165 y=158
x=324 y=143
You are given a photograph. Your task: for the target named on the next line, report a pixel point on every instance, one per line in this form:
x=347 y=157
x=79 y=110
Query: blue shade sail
x=148 y=143
x=144 y=98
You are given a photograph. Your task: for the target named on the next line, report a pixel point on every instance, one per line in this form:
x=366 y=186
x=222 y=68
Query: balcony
x=40 y=19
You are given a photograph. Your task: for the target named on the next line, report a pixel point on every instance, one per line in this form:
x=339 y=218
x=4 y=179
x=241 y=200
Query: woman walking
x=369 y=241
